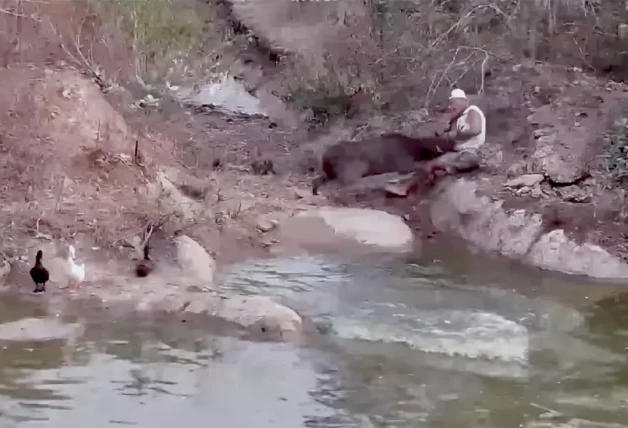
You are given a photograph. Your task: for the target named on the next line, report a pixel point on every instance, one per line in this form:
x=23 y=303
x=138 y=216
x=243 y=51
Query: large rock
x=518 y=234
x=262 y=316
x=555 y=250
x=259 y=316
x=195 y=261
x=334 y=226
x=484 y=222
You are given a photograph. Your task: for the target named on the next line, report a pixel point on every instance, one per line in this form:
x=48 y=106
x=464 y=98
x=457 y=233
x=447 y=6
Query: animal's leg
x=318 y=182
x=43 y=288
x=36 y=290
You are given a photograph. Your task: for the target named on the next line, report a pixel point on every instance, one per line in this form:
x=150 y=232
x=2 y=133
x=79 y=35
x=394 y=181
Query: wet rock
x=261 y=316
x=555 y=251
x=527 y=180
x=518 y=234
x=484 y=222
x=38 y=329
x=257 y=315
x=195 y=260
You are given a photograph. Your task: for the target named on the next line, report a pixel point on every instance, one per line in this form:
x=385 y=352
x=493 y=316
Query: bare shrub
x=406 y=54
x=616 y=156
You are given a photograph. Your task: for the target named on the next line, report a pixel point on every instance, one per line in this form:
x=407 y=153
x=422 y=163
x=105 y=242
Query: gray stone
x=555 y=251
x=528 y=180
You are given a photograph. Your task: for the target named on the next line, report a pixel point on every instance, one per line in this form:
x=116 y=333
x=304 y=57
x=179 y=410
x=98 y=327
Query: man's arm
x=474 y=122
x=451 y=120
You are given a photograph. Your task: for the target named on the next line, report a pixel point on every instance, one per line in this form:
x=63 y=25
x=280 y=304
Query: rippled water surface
x=448 y=339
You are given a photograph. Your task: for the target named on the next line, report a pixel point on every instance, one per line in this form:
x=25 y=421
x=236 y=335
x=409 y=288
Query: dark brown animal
x=348 y=161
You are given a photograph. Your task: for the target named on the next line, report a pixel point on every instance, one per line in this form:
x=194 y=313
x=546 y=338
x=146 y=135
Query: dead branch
x=78 y=57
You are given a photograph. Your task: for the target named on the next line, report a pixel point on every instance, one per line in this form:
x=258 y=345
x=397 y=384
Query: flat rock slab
x=332 y=226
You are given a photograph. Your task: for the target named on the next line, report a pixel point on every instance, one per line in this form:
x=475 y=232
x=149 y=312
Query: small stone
x=526 y=180
x=523 y=191
x=265 y=225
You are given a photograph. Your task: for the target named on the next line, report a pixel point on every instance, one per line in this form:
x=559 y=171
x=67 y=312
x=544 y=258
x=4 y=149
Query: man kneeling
x=467 y=127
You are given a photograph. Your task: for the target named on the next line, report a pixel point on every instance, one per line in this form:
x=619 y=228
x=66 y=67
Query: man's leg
x=466 y=161
x=454 y=162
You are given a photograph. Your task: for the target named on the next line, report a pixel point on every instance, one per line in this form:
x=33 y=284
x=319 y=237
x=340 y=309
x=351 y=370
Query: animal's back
x=420 y=148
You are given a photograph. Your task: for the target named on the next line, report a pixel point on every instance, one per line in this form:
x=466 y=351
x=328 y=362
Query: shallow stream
x=445 y=339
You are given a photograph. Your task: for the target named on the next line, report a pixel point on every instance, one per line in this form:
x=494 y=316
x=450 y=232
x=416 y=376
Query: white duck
x=76 y=272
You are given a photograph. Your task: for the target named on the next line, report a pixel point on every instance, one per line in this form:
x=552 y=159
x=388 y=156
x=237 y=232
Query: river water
x=443 y=339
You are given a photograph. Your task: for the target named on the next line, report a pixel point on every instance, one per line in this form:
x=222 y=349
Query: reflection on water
x=448 y=339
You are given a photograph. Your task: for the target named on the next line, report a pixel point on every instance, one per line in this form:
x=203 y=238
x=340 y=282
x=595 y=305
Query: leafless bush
x=408 y=53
